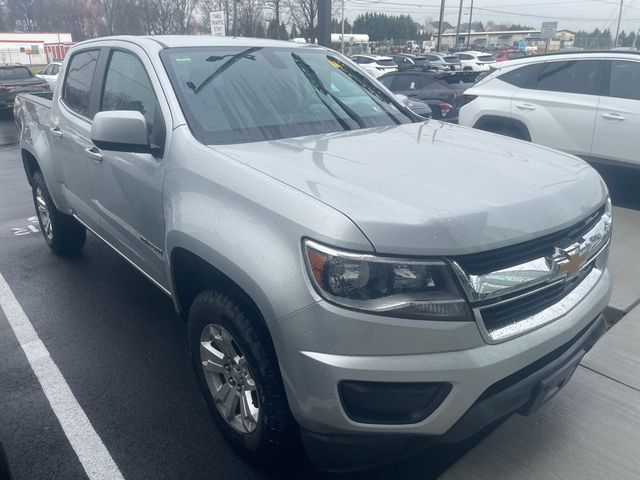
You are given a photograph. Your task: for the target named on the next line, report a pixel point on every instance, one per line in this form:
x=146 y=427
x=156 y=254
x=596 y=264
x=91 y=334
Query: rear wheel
x=63 y=233
x=505 y=130
x=238 y=372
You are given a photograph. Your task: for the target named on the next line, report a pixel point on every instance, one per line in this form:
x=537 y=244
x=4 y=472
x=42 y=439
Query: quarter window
x=573 y=76
x=520 y=76
x=77 y=86
x=625 y=80
x=127 y=87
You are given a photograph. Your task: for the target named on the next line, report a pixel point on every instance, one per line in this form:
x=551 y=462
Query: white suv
x=587 y=104
x=375 y=65
x=476 y=61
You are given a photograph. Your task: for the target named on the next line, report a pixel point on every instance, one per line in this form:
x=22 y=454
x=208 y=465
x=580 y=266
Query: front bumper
x=523 y=392
x=322 y=345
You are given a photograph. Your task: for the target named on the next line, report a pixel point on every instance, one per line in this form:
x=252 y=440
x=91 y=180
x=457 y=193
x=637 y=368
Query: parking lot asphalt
x=122 y=351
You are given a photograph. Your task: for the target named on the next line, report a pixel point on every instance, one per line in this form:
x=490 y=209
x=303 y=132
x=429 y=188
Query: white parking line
x=92 y=453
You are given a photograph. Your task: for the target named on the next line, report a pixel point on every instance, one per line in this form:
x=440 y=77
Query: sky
x=570 y=14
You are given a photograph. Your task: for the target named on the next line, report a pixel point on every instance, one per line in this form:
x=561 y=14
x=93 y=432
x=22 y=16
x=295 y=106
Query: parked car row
x=378 y=65
x=584 y=103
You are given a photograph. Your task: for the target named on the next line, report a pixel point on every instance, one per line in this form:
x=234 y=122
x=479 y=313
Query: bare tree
x=24 y=14
x=304 y=15
x=250 y=18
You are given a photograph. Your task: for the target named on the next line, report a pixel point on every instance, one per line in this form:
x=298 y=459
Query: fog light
x=391 y=402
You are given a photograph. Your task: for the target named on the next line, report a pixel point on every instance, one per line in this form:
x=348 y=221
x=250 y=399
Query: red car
x=504 y=55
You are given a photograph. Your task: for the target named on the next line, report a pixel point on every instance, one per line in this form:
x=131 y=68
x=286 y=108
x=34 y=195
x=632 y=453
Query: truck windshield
x=239 y=94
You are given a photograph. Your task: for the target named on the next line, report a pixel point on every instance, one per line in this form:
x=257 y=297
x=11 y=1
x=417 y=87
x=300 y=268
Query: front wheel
x=236 y=367
x=63 y=233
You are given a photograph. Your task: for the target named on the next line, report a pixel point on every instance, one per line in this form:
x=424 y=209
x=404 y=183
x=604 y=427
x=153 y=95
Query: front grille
x=501 y=315
x=494 y=260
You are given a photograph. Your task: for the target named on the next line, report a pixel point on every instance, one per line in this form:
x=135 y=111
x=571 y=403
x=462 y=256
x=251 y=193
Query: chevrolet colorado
x=351 y=274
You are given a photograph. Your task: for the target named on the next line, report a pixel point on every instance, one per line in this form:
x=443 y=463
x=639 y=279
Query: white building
x=33 y=48
x=489 y=39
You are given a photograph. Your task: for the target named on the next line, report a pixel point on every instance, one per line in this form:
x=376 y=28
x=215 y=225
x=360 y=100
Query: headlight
x=409 y=288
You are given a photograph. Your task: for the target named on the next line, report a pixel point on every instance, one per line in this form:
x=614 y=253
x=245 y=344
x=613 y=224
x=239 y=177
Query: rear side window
x=452 y=59
x=77 y=87
x=386 y=62
x=464 y=56
x=625 y=80
x=520 y=77
x=486 y=58
x=573 y=76
x=14 y=73
x=405 y=82
x=127 y=87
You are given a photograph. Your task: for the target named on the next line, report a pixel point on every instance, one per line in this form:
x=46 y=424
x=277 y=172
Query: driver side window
x=128 y=87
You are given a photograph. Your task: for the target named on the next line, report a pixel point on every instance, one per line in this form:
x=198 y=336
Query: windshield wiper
x=317 y=84
x=373 y=92
x=224 y=67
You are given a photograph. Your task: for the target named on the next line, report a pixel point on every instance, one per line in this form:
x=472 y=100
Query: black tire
x=5 y=474
x=276 y=431
x=66 y=235
x=506 y=131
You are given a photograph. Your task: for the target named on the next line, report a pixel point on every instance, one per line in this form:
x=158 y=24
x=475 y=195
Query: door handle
x=525 y=106
x=94 y=154
x=613 y=116
x=56 y=132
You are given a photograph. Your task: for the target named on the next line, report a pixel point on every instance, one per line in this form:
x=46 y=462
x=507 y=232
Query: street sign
x=216 y=19
x=548 y=30
x=29 y=52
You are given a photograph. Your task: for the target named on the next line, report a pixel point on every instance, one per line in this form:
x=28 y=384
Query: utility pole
x=618 y=27
x=470 y=20
x=342 y=34
x=235 y=18
x=324 y=23
x=459 y=20
x=439 y=44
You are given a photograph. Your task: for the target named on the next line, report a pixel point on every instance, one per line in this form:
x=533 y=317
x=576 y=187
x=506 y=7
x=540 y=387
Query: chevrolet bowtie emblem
x=568 y=261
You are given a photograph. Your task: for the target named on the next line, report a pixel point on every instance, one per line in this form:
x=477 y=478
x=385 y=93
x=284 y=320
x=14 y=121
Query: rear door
x=559 y=102
x=127 y=185
x=71 y=132
x=618 y=119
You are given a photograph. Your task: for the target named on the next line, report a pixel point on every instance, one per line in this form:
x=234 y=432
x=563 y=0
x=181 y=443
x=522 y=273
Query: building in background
x=33 y=48
x=482 y=40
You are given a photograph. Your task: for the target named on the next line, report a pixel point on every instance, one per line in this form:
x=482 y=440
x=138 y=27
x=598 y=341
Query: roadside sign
x=216 y=20
x=548 y=30
x=29 y=52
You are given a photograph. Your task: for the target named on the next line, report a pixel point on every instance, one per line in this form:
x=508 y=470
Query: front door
x=618 y=119
x=128 y=186
x=559 y=104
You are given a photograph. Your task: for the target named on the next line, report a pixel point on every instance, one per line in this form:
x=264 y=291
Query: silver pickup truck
x=351 y=275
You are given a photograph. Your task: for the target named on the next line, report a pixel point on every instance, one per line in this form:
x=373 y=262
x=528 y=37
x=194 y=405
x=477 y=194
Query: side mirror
x=121 y=131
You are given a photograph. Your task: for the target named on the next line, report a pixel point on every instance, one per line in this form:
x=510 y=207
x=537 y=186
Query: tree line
x=603 y=39
x=91 y=18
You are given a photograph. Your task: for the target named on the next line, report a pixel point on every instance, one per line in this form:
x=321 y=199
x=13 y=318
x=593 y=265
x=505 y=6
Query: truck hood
x=434 y=188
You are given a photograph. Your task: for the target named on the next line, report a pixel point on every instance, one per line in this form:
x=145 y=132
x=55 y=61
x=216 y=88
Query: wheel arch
x=489 y=122
x=191 y=274
x=30 y=164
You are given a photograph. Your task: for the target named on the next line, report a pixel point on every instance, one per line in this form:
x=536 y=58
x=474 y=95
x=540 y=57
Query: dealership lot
x=122 y=352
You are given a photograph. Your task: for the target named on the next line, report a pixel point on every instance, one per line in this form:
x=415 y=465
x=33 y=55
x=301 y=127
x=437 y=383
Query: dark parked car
x=441 y=91
x=409 y=62
x=444 y=60
x=16 y=79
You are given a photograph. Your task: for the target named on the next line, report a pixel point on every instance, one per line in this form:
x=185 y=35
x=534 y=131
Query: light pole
x=459 y=20
x=342 y=34
x=470 y=20
x=618 y=27
x=439 y=44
